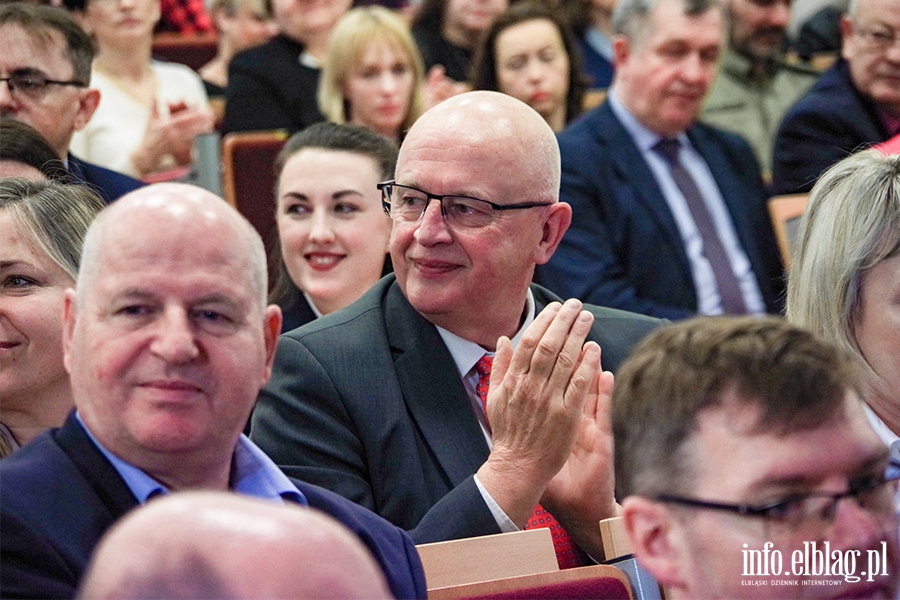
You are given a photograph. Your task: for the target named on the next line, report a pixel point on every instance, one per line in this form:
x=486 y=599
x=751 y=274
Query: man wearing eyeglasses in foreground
x=854 y=104
x=382 y=402
x=45 y=70
x=731 y=434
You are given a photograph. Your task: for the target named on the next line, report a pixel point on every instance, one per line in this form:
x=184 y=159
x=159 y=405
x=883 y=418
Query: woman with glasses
x=42 y=226
x=845 y=277
x=333 y=234
x=149 y=111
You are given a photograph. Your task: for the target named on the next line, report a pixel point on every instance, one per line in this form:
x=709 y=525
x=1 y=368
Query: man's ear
x=271 y=331
x=846 y=37
x=621 y=47
x=88 y=101
x=559 y=217
x=69 y=310
x=654 y=535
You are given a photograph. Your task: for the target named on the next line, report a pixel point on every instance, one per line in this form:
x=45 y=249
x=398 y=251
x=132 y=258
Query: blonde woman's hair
x=852 y=223
x=55 y=216
x=356 y=32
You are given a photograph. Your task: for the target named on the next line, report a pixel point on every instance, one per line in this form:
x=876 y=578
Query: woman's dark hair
x=22 y=143
x=485 y=64
x=339 y=138
x=342 y=138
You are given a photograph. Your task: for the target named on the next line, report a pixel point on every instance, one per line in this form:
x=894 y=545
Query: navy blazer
x=109 y=185
x=623 y=248
x=368 y=402
x=829 y=123
x=60 y=495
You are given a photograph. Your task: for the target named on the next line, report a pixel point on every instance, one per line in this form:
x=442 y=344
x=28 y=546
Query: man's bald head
x=494 y=122
x=205 y=545
x=176 y=209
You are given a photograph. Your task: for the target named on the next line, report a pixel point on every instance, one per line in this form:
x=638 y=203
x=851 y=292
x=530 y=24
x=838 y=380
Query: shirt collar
x=465 y=353
x=644 y=138
x=252 y=473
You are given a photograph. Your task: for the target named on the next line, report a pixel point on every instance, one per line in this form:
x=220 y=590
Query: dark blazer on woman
x=268 y=88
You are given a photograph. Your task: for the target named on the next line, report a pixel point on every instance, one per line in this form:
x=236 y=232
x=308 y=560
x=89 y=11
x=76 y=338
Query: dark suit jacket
x=60 y=495
x=826 y=125
x=109 y=185
x=367 y=402
x=623 y=248
x=269 y=89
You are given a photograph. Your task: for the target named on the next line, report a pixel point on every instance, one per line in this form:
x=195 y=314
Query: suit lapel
x=96 y=470
x=433 y=391
x=634 y=173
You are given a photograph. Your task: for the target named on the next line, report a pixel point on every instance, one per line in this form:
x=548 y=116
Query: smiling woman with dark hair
x=332 y=230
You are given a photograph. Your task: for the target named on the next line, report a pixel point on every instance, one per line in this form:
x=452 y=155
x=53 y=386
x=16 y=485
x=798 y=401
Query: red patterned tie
x=567 y=553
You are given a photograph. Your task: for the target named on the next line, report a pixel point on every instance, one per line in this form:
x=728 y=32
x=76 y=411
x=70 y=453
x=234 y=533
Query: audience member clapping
x=530 y=54
x=333 y=232
x=373 y=73
x=845 y=275
x=42 y=225
x=451 y=395
x=150 y=111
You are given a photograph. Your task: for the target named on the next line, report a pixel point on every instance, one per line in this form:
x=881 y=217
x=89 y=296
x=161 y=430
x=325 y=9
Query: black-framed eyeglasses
x=875 y=495
x=408 y=204
x=34 y=86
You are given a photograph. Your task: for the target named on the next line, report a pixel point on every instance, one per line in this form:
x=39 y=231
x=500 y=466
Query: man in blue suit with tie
x=668 y=215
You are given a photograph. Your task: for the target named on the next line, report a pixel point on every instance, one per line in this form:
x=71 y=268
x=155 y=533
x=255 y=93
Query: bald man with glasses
x=456 y=399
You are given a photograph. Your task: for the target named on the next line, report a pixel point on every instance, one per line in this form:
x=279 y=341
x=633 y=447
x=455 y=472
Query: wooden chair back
x=785 y=212
x=488 y=557
x=597 y=581
x=619 y=553
x=191 y=50
x=248 y=181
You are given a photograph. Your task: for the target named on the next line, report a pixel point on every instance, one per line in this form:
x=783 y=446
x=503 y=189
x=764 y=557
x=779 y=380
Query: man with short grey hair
x=855 y=104
x=669 y=215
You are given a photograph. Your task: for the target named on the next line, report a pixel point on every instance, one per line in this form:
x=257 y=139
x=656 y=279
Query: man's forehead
x=49 y=44
x=731 y=437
